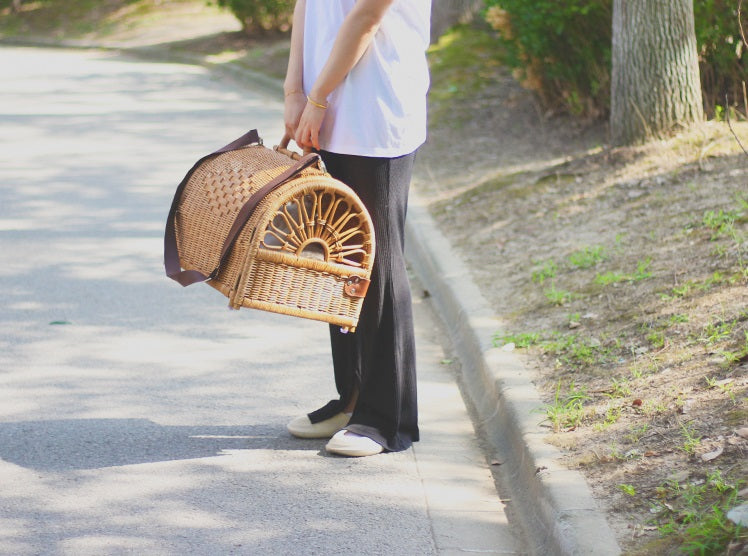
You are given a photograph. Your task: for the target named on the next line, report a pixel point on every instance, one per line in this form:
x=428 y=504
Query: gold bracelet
x=294 y=92
x=317 y=104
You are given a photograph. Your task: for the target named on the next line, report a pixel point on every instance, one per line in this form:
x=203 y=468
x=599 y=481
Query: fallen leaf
x=637 y=402
x=739 y=515
x=650 y=453
x=709 y=456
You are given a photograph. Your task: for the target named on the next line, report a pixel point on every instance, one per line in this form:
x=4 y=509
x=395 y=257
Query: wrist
x=319 y=95
x=322 y=104
x=291 y=85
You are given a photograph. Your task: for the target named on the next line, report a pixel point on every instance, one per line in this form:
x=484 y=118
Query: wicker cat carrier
x=271 y=230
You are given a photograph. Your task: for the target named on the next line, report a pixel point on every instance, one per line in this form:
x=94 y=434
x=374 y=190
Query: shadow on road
x=72 y=444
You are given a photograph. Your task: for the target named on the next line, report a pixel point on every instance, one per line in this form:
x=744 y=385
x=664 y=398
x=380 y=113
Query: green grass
x=556 y=296
x=573 y=350
x=656 y=339
x=588 y=257
x=721 y=223
x=608 y=278
x=732 y=357
x=636 y=433
x=717 y=331
x=642 y=272
x=691 y=438
x=692 y=517
x=521 y=340
x=463 y=61
x=545 y=270
x=627 y=489
x=567 y=410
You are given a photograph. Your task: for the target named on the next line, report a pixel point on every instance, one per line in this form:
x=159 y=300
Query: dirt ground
x=630 y=286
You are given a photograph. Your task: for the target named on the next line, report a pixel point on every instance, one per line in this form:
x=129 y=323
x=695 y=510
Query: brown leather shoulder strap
x=172 y=263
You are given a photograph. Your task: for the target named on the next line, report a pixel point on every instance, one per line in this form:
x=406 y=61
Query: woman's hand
x=292 y=110
x=307 y=132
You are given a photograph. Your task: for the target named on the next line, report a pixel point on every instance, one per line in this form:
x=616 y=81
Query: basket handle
x=172 y=264
x=282 y=148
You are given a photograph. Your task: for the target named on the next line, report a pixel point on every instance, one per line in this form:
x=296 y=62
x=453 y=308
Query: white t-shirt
x=380 y=108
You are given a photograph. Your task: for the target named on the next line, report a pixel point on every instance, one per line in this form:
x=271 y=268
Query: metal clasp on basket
x=355 y=286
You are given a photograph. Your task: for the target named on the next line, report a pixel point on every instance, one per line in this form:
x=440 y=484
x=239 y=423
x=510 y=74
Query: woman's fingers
x=307 y=132
x=292 y=112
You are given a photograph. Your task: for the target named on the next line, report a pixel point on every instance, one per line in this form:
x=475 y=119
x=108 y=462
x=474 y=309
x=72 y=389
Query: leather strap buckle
x=355 y=286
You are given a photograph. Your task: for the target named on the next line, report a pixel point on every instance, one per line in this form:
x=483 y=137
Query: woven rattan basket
x=272 y=231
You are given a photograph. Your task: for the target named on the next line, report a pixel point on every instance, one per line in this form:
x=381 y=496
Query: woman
x=356 y=91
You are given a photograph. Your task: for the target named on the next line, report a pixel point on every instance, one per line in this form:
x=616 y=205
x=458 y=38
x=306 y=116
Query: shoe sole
x=343 y=448
x=354 y=453
x=324 y=429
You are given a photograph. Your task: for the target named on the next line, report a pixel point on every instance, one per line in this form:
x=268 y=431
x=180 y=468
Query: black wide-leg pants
x=379 y=358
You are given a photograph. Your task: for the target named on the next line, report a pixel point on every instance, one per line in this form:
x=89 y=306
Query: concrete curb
x=554 y=503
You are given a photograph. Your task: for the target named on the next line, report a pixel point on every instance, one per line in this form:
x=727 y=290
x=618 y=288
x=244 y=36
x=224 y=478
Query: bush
x=262 y=16
x=558 y=48
x=722 y=54
x=561 y=49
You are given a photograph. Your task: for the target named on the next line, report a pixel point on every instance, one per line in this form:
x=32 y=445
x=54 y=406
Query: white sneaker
x=302 y=427
x=346 y=443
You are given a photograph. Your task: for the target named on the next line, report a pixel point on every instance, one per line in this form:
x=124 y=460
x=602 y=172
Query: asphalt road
x=138 y=417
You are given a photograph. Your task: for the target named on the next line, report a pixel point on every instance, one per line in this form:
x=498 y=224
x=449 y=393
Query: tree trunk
x=655 y=75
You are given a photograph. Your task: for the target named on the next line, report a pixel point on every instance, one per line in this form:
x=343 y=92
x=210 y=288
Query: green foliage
x=691 y=438
x=642 y=272
x=262 y=16
x=547 y=269
x=520 y=340
x=559 y=48
x=693 y=516
x=720 y=222
x=588 y=257
x=463 y=61
x=562 y=50
x=627 y=489
x=723 y=59
x=566 y=410
x=556 y=296
x=573 y=350
x=608 y=278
